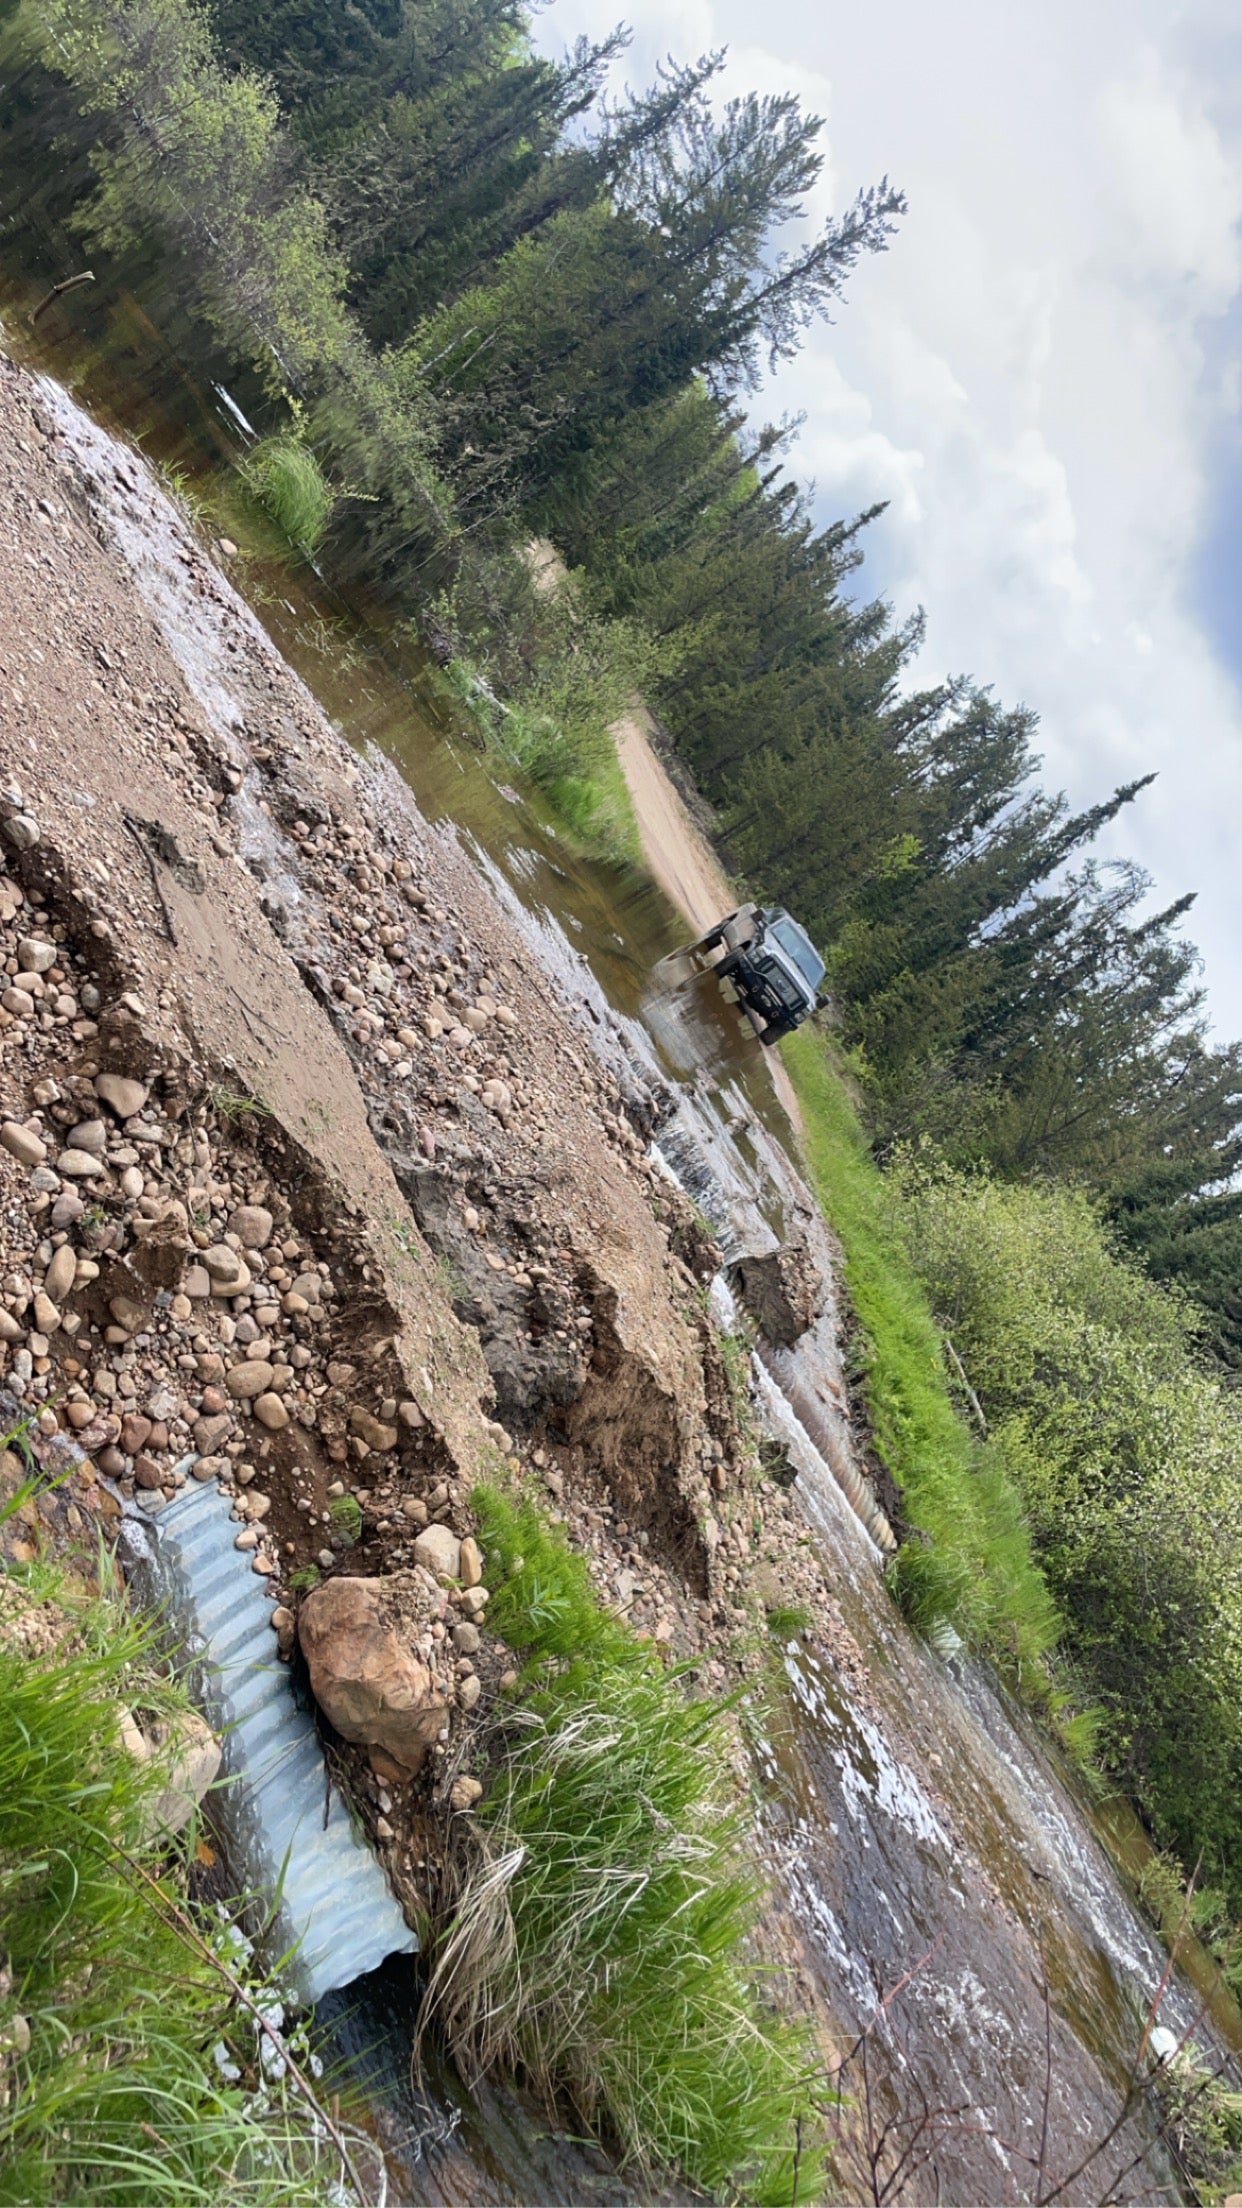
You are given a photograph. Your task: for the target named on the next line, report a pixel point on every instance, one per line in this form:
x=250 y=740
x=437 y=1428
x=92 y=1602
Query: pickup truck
x=772 y=963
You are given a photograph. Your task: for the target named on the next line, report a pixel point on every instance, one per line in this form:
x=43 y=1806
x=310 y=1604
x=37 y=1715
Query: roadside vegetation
x=600 y=1944
x=1125 y=1445
x=1086 y=1534
x=544 y=679
x=969 y=1565
x=132 y=2066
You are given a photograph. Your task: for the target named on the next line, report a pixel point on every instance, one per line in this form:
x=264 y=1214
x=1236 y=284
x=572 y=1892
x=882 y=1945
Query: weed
x=451 y=1281
x=1179 y=1906
x=599 y=1939
x=232 y=1105
x=305 y=1577
x=334 y=640
x=189 y=496
x=785 y=1619
x=1202 y=2118
x=1078 y=1730
x=345 y=1511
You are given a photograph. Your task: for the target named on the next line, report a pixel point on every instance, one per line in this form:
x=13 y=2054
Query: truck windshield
x=797 y=945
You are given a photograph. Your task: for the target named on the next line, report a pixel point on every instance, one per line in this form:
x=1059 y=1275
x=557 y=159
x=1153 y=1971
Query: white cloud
x=1178 y=192
x=1039 y=374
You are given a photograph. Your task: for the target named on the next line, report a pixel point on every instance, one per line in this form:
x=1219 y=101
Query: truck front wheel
x=709 y=942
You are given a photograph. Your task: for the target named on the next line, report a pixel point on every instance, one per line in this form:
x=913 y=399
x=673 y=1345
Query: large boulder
x=372 y=1672
x=783 y=1293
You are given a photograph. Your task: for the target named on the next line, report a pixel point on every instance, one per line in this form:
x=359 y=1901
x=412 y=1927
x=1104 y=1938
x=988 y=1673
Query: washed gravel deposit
x=309 y=1183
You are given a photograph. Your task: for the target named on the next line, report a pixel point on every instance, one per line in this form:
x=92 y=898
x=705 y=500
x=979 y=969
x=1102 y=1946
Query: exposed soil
x=679 y=856
x=371 y=1218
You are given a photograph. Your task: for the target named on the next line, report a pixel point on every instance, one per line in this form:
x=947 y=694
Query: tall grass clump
x=600 y=1942
x=282 y=473
x=130 y=2075
x=969 y=1562
x=546 y=677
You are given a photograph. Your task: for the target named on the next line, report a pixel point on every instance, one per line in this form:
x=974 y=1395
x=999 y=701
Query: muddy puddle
x=942 y=1878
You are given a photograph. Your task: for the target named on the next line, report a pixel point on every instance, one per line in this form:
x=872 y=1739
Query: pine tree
x=616 y=304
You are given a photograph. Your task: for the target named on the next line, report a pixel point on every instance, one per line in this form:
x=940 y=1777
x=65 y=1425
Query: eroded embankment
x=363 y=1212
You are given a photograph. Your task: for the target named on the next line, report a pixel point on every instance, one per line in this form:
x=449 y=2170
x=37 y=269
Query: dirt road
x=678 y=854
x=681 y=858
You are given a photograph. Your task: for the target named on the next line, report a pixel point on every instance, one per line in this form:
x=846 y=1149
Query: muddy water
x=942 y=1880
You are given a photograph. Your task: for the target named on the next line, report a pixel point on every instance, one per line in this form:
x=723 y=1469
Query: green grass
x=567 y=751
x=735 y=1354
x=969 y=1563
x=116 y=2020
x=282 y=473
x=600 y=1944
x=785 y=1619
x=232 y=1105
x=345 y=1511
x=597 y=810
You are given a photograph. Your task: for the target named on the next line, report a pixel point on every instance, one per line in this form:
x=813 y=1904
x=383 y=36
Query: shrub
x=1128 y=1454
x=600 y=1941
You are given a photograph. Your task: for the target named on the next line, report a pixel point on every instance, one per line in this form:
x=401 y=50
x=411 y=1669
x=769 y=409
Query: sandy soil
x=678 y=854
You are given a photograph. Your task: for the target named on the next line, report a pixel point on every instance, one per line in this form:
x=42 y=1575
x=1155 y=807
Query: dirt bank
x=312 y=1187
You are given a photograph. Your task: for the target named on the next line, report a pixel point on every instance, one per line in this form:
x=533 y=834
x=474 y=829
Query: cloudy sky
x=1043 y=376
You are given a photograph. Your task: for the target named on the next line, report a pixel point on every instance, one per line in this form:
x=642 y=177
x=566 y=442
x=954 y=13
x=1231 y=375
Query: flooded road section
x=940 y=1880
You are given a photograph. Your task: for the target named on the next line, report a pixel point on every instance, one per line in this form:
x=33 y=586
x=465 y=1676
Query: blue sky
x=1043 y=376
x=1215 y=580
